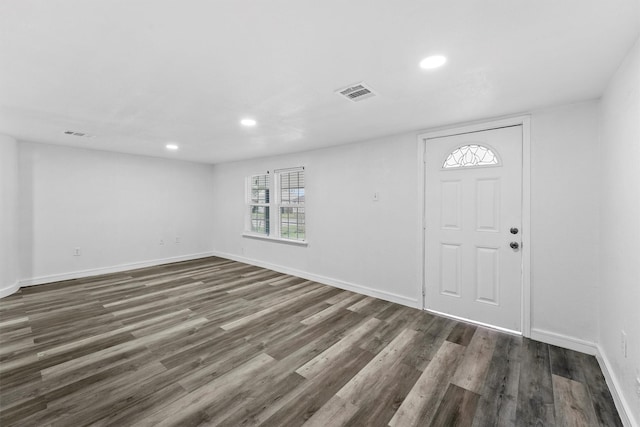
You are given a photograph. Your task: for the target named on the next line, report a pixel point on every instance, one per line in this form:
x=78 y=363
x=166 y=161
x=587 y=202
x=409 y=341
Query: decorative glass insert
x=470 y=156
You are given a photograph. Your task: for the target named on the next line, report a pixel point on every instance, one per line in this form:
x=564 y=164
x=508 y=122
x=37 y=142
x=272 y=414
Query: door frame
x=423 y=138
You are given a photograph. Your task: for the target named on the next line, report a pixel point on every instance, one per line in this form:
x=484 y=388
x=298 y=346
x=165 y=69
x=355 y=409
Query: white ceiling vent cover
x=357 y=92
x=74 y=133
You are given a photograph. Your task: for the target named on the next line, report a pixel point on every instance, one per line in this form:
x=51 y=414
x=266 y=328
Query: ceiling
x=140 y=74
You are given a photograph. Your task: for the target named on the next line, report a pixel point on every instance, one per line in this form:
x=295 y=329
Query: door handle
x=514 y=245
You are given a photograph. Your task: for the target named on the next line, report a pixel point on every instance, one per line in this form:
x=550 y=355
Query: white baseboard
x=565 y=341
x=623 y=406
x=108 y=270
x=6 y=291
x=336 y=283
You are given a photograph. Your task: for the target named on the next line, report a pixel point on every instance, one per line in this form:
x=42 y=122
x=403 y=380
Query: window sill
x=275 y=239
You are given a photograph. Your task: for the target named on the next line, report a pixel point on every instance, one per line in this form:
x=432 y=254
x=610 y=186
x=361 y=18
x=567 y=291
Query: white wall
x=353 y=241
x=8 y=215
x=376 y=245
x=564 y=222
x=114 y=207
x=619 y=295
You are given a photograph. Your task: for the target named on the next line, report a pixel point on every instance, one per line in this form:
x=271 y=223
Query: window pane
x=292 y=187
x=260 y=189
x=470 y=155
x=292 y=225
x=260 y=219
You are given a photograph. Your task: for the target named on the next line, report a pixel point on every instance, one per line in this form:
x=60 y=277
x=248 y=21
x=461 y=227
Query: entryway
x=473 y=226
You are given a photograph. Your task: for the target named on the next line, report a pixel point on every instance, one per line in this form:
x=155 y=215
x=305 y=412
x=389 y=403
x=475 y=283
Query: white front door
x=473 y=226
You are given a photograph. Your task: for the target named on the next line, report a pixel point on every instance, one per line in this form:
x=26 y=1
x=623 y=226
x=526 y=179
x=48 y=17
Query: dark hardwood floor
x=216 y=342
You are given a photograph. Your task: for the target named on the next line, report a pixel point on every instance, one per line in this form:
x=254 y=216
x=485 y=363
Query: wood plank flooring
x=217 y=342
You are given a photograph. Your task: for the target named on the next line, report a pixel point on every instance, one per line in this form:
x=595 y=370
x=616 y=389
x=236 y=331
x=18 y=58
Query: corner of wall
x=619 y=207
x=624 y=409
x=9 y=290
x=9 y=215
x=564 y=341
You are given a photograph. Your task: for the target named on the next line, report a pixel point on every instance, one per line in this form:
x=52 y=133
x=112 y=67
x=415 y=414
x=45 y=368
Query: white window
x=276 y=205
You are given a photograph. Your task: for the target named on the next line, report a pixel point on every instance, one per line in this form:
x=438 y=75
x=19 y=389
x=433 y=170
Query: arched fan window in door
x=472 y=155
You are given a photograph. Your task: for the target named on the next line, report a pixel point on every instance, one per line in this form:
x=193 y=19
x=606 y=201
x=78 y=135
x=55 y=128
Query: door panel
x=488 y=205
x=473 y=185
x=451 y=205
x=450 y=269
x=487 y=280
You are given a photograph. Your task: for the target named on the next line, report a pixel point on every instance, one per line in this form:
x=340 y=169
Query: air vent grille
x=74 y=133
x=357 y=92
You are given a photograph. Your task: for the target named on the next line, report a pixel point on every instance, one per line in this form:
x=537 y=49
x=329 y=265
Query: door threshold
x=474 y=322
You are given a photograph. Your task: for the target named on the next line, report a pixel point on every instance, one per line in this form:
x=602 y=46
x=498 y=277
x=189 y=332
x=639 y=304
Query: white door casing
x=470 y=269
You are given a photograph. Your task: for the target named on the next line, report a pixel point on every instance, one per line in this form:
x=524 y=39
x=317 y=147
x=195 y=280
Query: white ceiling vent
x=357 y=92
x=74 y=133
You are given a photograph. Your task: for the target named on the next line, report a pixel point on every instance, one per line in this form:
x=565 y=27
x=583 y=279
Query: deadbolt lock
x=514 y=230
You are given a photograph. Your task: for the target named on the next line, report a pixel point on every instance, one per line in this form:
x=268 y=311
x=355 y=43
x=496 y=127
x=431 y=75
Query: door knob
x=514 y=245
x=513 y=230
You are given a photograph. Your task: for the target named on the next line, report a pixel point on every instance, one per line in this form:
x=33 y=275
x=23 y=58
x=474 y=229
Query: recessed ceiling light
x=248 y=122
x=431 y=62
x=171 y=147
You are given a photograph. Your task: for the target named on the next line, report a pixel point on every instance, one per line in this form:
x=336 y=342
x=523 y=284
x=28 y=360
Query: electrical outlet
x=177 y=240
x=376 y=196
x=161 y=242
x=623 y=343
x=76 y=252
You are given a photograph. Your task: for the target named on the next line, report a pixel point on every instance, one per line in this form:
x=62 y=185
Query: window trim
x=274 y=206
x=249 y=235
